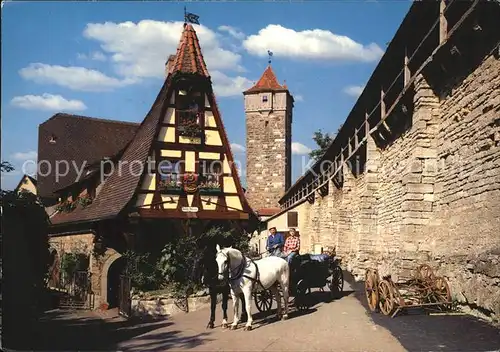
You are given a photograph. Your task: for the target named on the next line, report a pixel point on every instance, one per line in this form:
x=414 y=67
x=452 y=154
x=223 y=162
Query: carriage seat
x=313 y=257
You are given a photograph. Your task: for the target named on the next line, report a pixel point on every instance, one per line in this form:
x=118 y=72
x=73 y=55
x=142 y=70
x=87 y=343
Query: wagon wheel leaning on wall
x=386 y=296
x=371 y=288
x=441 y=293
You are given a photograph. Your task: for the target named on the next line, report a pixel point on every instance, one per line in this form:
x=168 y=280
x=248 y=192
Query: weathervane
x=190 y=17
x=270 y=53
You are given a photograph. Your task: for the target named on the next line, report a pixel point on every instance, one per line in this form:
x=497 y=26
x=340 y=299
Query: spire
x=189 y=58
x=268 y=82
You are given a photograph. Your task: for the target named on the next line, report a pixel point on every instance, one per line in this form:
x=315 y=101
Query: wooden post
x=407 y=72
x=443 y=23
x=367 y=126
x=356 y=139
x=382 y=105
x=349 y=147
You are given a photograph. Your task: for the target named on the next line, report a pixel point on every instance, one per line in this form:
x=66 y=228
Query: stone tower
x=268 y=110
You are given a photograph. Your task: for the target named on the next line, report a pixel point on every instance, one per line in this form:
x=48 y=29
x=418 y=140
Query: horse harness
x=240 y=270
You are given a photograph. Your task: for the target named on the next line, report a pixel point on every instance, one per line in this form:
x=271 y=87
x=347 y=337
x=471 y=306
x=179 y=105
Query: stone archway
x=104 y=276
x=54 y=268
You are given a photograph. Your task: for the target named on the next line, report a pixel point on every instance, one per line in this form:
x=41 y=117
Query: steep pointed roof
x=267 y=82
x=189 y=58
x=119 y=188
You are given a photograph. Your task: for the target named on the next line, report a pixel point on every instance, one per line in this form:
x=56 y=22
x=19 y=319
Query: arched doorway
x=54 y=268
x=113 y=286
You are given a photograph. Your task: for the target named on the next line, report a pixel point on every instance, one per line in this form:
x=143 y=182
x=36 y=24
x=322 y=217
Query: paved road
x=341 y=325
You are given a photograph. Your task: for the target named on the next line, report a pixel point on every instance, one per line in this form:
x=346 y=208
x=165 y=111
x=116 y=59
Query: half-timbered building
x=142 y=183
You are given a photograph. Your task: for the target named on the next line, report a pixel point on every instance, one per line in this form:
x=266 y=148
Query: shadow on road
x=69 y=331
x=418 y=331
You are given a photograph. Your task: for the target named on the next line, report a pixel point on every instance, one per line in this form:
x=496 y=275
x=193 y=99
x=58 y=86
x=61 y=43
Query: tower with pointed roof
x=268 y=110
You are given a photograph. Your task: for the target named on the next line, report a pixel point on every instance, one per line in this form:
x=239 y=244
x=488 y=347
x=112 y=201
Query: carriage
x=306 y=272
x=423 y=290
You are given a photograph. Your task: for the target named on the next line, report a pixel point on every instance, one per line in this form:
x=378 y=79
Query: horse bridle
x=239 y=269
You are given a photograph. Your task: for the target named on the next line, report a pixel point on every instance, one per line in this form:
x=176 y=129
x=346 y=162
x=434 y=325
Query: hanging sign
x=189 y=209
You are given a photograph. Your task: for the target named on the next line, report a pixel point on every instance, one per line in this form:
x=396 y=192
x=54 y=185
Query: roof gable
x=189 y=58
x=267 y=82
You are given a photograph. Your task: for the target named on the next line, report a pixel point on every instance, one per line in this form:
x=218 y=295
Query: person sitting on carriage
x=326 y=254
x=275 y=242
x=292 y=246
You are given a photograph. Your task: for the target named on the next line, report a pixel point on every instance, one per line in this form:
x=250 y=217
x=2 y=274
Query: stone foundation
x=165 y=306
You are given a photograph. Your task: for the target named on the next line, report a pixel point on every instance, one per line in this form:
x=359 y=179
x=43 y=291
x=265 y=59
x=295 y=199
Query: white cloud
x=309 y=44
x=76 y=78
x=298 y=97
x=47 y=102
x=300 y=149
x=237 y=148
x=354 y=91
x=233 y=32
x=96 y=56
x=225 y=86
x=141 y=49
x=23 y=156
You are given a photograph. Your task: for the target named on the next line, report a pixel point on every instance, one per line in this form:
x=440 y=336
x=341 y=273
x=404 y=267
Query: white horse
x=246 y=275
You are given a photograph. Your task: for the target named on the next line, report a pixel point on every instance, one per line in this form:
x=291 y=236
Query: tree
x=25 y=263
x=323 y=140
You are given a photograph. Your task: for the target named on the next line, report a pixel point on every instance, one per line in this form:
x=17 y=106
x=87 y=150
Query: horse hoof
x=284 y=317
x=232 y=327
x=224 y=326
x=248 y=328
x=210 y=325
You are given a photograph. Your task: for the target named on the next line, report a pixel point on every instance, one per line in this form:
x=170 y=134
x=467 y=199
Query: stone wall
x=167 y=306
x=431 y=196
x=78 y=243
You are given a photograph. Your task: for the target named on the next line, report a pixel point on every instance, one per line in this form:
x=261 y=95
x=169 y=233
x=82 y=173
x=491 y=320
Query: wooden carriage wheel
x=441 y=291
x=263 y=300
x=371 y=289
x=301 y=295
x=425 y=272
x=386 y=303
x=336 y=284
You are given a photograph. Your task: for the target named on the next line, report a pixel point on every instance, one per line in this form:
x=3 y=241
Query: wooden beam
x=443 y=23
x=356 y=138
x=202 y=214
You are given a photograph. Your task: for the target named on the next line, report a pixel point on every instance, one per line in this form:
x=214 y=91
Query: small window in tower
x=266 y=123
x=264 y=98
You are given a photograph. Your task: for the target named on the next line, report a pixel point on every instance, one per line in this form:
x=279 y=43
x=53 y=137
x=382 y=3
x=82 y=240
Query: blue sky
x=105 y=59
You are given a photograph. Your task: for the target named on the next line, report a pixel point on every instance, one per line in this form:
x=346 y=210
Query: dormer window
x=264 y=98
x=52 y=139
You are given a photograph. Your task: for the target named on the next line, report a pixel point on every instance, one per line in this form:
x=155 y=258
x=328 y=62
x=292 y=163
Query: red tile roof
x=268 y=211
x=119 y=187
x=77 y=139
x=189 y=58
x=268 y=82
